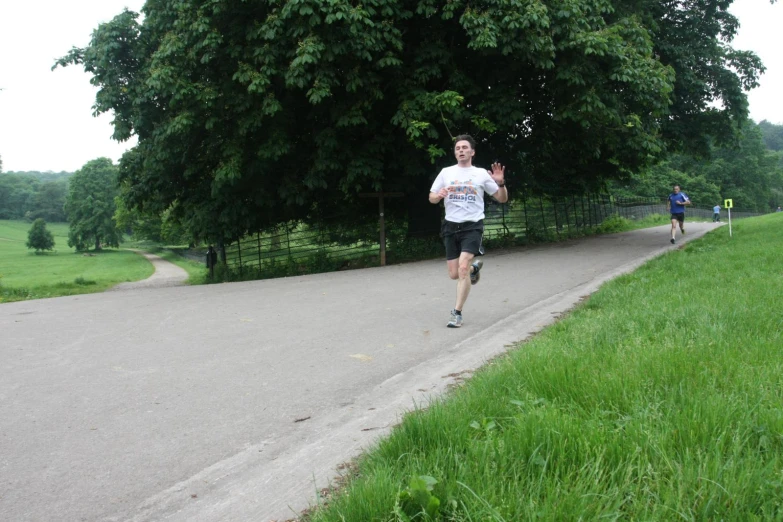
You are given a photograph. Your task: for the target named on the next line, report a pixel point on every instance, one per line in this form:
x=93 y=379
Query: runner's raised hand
x=498 y=173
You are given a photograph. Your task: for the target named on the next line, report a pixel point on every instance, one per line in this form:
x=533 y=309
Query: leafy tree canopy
x=773 y=135
x=161 y=228
x=251 y=113
x=90 y=206
x=39 y=237
x=746 y=172
x=658 y=181
x=25 y=196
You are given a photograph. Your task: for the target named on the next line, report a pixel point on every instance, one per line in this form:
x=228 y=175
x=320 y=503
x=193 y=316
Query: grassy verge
x=25 y=275
x=659 y=398
x=652 y=220
x=616 y=223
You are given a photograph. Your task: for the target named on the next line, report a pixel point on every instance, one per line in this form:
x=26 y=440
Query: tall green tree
x=773 y=135
x=39 y=237
x=251 y=113
x=658 y=180
x=90 y=206
x=708 y=103
x=746 y=172
x=151 y=226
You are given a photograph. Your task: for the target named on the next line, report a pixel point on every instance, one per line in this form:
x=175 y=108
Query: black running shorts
x=462 y=237
x=679 y=216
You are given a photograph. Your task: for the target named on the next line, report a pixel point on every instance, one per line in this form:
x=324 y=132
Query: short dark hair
x=468 y=138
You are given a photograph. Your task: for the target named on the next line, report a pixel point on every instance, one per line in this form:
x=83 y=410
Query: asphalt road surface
x=237 y=402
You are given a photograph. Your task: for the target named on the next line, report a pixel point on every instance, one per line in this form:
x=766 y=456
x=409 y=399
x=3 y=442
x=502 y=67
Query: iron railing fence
x=334 y=244
x=297 y=247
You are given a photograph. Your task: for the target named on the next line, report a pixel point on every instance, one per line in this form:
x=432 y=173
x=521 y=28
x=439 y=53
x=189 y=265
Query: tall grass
x=660 y=398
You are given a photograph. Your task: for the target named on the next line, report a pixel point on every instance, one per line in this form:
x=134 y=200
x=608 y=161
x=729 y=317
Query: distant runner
x=716 y=214
x=676 y=206
x=461 y=187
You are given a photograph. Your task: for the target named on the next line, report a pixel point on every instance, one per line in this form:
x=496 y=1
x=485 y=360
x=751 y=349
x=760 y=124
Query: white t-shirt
x=466 y=187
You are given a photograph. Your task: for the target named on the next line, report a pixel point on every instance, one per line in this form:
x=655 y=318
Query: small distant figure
x=716 y=214
x=676 y=206
x=778 y=210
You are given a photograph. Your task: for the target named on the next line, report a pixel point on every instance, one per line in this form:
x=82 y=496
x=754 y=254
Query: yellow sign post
x=729 y=204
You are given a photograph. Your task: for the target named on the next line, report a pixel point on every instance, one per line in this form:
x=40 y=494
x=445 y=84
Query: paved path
x=166 y=274
x=236 y=402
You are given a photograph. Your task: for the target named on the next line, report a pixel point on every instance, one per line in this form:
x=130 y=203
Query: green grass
x=25 y=275
x=625 y=225
x=616 y=223
x=659 y=398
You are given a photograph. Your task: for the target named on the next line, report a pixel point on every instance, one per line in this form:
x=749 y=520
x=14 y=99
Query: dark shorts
x=462 y=237
x=679 y=216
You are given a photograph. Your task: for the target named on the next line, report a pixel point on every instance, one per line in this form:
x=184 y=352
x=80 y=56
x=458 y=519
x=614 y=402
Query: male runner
x=461 y=187
x=676 y=206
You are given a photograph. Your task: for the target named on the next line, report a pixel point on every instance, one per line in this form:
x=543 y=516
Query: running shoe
x=475 y=275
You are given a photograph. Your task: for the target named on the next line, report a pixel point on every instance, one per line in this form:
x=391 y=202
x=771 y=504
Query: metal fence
x=335 y=244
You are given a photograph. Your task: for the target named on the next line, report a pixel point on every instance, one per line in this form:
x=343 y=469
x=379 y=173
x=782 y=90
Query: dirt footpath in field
x=166 y=274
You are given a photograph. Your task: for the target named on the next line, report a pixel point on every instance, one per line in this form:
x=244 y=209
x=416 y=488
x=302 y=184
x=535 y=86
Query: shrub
x=39 y=237
x=614 y=223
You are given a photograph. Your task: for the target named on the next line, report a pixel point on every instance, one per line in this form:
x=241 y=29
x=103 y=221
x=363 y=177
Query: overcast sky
x=46 y=121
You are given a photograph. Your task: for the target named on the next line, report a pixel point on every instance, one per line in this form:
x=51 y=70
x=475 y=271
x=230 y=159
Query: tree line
x=252 y=114
x=85 y=199
x=750 y=172
x=773 y=135
x=31 y=195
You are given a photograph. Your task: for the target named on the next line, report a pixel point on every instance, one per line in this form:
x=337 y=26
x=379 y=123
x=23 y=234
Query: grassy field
x=25 y=275
x=659 y=398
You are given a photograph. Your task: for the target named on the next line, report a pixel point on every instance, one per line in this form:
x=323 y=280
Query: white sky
x=46 y=121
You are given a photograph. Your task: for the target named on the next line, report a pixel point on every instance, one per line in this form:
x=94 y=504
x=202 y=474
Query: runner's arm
x=436 y=197
x=501 y=196
x=438 y=190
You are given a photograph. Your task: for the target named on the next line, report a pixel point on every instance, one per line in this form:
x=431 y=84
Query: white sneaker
x=456 y=320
